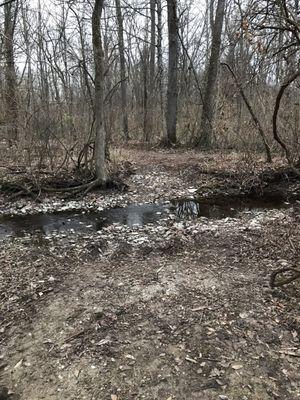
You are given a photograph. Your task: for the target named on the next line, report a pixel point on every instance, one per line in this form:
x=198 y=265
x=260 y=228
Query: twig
x=289 y=353
x=295 y=276
x=76 y=335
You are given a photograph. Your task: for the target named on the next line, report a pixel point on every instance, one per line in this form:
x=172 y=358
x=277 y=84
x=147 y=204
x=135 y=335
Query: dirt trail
x=184 y=313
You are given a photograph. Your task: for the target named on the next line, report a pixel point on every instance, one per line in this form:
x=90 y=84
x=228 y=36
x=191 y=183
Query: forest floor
x=178 y=309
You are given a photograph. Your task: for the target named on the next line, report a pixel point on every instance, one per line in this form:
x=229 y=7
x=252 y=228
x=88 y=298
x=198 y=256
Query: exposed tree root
x=35 y=190
x=92 y=186
x=84 y=187
x=295 y=275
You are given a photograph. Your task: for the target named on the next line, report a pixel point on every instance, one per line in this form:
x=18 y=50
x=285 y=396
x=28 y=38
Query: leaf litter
x=175 y=309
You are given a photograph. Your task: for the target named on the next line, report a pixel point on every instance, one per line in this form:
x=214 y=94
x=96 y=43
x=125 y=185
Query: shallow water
x=81 y=221
x=75 y=221
x=224 y=207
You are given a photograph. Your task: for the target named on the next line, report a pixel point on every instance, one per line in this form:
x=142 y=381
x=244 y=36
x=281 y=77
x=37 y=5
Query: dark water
x=223 y=207
x=76 y=221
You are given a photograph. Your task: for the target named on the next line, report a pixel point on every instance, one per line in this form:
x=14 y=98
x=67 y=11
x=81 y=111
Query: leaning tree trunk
x=172 y=95
x=252 y=113
x=122 y=70
x=210 y=92
x=100 y=138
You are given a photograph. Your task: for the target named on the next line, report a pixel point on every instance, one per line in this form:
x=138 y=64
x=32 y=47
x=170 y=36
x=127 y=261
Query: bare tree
x=172 y=94
x=10 y=15
x=99 y=152
x=51 y=93
x=210 y=92
x=160 y=66
x=122 y=70
x=151 y=80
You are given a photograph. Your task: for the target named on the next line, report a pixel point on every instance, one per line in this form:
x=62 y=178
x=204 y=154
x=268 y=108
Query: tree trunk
x=160 y=55
x=172 y=94
x=122 y=70
x=42 y=64
x=151 y=82
x=100 y=138
x=30 y=89
x=145 y=75
x=144 y=53
x=10 y=14
x=210 y=92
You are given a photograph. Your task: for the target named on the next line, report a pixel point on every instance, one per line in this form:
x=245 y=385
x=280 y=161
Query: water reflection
x=64 y=222
x=187 y=208
x=67 y=222
x=132 y=215
x=219 y=208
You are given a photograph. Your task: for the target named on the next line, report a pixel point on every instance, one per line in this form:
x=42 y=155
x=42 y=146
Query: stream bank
x=175 y=308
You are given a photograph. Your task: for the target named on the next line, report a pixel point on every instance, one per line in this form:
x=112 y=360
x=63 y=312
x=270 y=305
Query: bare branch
x=6 y=3
x=278 y=139
x=250 y=109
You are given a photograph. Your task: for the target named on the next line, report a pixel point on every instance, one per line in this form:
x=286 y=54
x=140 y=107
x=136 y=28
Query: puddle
x=85 y=222
x=76 y=221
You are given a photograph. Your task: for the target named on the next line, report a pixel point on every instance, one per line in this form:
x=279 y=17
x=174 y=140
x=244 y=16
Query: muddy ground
x=179 y=309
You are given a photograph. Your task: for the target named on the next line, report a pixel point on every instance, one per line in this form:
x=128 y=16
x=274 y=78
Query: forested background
x=209 y=74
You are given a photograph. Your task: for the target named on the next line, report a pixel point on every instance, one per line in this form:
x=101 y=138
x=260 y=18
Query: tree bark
x=122 y=70
x=151 y=81
x=160 y=55
x=172 y=94
x=100 y=138
x=30 y=89
x=42 y=64
x=210 y=92
x=10 y=14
